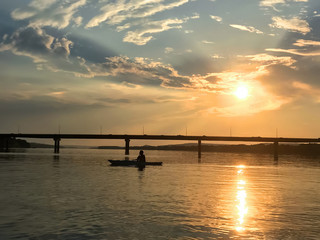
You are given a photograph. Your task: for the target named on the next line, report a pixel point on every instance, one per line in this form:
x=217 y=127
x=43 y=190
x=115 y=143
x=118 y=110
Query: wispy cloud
x=303 y=43
x=142 y=35
x=293 y=24
x=307 y=48
x=120 y=11
x=266 y=60
x=271 y=3
x=53 y=13
x=207 y=42
x=140 y=32
x=246 y=28
x=216 y=56
x=305 y=53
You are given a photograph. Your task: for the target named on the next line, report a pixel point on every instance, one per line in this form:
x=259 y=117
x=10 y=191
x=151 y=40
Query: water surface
x=78 y=195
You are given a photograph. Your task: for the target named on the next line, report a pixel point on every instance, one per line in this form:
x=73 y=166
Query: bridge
x=58 y=137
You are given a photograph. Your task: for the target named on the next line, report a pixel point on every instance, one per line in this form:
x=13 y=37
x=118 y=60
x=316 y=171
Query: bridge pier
x=199 y=148
x=127 y=146
x=7 y=143
x=275 y=145
x=56 y=145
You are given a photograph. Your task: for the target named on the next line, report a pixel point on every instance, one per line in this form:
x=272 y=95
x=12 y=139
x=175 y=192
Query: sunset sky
x=201 y=67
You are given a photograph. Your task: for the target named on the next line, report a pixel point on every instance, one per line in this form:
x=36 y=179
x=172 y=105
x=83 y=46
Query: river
x=78 y=195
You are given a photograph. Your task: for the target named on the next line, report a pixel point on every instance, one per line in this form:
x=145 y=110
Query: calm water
x=227 y=196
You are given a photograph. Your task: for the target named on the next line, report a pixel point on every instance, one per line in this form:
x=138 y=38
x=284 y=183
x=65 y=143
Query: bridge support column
x=276 y=145
x=199 y=148
x=7 y=144
x=127 y=146
x=56 y=145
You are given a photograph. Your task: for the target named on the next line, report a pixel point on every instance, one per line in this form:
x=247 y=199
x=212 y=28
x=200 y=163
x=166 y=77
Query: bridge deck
x=159 y=137
x=127 y=138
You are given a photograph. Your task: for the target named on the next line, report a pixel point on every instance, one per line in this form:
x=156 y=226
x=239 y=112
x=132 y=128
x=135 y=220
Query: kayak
x=131 y=163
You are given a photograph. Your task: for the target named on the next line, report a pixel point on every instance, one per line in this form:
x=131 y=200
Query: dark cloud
x=283 y=81
x=37 y=44
x=33 y=40
x=309 y=71
x=114 y=100
x=42 y=106
x=279 y=80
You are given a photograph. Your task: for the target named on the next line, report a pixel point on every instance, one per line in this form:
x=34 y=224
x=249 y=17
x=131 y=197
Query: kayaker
x=141 y=160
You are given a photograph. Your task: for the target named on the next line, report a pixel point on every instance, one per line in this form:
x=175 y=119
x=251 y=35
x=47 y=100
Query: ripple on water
x=78 y=196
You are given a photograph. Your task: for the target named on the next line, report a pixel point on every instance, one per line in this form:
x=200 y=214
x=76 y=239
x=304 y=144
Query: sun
x=242 y=92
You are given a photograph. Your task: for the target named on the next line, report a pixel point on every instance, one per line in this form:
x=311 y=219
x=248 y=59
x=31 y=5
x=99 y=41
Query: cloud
x=294 y=24
x=207 y=42
x=216 y=56
x=55 y=54
x=246 y=28
x=266 y=60
x=43 y=105
x=142 y=35
x=303 y=43
x=45 y=50
x=305 y=53
x=308 y=48
x=142 y=30
x=53 y=13
x=141 y=71
x=168 y=50
x=36 y=44
x=120 y=11
x=298 y=85
x=217 y=18
x=271 y=3
x=301 y=85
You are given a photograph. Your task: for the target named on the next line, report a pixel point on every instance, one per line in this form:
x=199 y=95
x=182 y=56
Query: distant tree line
x=13 y=143
x=303 y=149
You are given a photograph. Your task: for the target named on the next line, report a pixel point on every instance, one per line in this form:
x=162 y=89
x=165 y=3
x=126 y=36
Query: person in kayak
x=141 y=160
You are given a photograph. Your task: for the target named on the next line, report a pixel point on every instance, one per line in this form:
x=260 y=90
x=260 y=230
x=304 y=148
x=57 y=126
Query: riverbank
x=303 y=149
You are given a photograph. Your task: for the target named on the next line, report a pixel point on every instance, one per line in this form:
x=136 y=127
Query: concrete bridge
x=58 y=137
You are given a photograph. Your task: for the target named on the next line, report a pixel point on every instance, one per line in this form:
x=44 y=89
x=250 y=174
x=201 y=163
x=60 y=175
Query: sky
x=195 y=67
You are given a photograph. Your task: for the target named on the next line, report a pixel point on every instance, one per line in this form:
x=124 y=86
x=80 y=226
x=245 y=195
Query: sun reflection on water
x=241 y=199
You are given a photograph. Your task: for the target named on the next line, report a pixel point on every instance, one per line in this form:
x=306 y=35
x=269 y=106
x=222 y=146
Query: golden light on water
x=241 y=197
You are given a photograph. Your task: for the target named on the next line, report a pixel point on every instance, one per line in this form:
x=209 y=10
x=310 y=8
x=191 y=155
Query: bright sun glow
x=242 y=92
